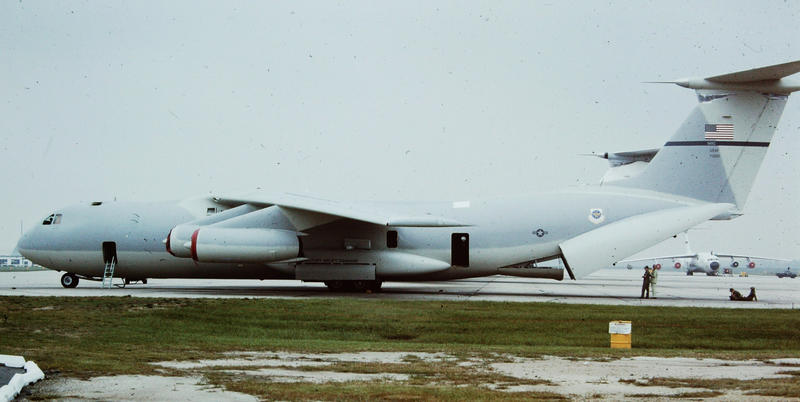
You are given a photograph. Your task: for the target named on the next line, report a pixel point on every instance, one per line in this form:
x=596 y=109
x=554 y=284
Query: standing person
x=646 y=282
x=653 y=280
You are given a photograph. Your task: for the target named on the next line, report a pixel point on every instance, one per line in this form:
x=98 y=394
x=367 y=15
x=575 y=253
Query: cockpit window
x=53 y=219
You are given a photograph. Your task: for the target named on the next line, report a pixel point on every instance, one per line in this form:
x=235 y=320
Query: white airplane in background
x=704 y=172
x=707 y=262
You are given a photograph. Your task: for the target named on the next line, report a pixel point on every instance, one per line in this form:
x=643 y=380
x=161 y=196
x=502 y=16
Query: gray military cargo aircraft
x=704 y=172
x=706 y=262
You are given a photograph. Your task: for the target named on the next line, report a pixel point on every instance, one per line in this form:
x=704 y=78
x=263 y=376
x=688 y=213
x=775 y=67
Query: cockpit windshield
x=53 y=219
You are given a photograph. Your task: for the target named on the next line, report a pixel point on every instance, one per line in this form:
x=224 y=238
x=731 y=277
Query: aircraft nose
x=26 y=245
x=715 y=265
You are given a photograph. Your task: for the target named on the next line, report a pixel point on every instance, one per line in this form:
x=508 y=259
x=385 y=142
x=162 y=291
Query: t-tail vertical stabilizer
x=715 y=155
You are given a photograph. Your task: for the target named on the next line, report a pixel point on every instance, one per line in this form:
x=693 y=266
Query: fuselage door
x=109 y=252
x=459 y=249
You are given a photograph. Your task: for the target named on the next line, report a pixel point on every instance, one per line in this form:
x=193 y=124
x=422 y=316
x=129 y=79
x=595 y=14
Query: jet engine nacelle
x=251 y=245
x=178 y=237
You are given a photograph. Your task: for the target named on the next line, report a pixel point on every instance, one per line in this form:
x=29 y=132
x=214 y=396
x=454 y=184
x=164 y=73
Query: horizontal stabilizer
x=764 y=79
x=623 y=158
x=774 y=72
x=608 y=244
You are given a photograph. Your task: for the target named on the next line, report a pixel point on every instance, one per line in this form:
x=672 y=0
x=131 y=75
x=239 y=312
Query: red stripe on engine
x=194 y=244
x=169 y=250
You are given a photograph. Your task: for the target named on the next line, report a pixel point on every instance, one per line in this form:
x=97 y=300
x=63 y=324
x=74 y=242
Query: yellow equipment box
x=620 y=334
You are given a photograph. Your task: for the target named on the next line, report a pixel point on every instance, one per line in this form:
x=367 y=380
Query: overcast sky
x=141 y=100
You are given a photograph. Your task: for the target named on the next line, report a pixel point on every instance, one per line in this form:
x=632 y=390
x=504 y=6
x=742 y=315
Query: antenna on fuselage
x=686 y=247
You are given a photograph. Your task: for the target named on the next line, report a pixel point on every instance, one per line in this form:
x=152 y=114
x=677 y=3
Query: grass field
x=84 y=337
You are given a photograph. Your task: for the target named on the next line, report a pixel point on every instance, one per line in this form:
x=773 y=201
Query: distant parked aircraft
x=707 y=262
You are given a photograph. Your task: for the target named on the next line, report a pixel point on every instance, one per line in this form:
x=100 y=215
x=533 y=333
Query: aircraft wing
x=306 y=212
x=665 y=257
x=750 y=257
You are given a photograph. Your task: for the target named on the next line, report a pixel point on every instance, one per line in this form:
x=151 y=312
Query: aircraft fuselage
x=502 y=232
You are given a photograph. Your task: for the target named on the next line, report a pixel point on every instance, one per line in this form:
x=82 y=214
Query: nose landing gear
x=70 y=280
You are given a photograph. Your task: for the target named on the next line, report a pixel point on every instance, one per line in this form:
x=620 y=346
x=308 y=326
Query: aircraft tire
x=69 y=280
x=367 y=286
x=690 y=273
x=375 y=286
x=336 y=286
x=350 y=286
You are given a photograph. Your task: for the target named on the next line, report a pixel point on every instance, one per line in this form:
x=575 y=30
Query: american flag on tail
x=719 y=132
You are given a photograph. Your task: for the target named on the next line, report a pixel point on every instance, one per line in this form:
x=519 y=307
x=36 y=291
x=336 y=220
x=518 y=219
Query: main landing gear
x=69 y=280
x=354 y=286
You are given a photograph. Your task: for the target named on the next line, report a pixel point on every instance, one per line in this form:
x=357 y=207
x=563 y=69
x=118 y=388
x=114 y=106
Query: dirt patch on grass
x=134 y=388
x=317 y=377
x=676 y=377
x=783 y=384
x=438 y=376
x=499 y=374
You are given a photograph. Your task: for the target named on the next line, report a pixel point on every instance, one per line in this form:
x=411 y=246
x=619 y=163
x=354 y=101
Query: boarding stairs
x=108 y=273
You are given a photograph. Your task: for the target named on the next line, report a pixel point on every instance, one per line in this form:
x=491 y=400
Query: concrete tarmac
x=610 y=286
